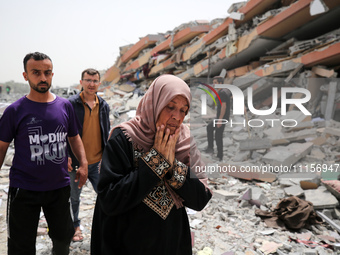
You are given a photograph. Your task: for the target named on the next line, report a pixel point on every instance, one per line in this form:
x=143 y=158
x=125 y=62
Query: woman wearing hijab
x=147 y=178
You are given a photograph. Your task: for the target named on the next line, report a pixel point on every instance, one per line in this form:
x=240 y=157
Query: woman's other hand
x=166 y=143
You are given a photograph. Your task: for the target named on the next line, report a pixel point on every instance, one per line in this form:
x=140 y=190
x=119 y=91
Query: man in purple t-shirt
x=39 y=123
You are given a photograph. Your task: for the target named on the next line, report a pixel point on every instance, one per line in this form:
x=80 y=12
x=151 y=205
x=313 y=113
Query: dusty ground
x=3 y=226
x=3 y=232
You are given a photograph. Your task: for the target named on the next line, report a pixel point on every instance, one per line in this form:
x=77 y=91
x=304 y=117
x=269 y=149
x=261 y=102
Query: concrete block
x=310 y=252
x=299 y=126
x=290 y=179
x=324 y=72
x=224 y=194
x=316 y=155
x=289 y=155
x=321 y=198
x=274 y=133
x=255 y=144
x=297 y=115
x=257 y=196
x=241 y=156
x=299 y=135
x=294 y=190
x=332 y=131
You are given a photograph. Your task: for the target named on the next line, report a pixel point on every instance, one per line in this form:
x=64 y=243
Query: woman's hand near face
x=166 y=143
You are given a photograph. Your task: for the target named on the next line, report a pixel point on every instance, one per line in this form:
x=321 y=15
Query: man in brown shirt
x=93 y=114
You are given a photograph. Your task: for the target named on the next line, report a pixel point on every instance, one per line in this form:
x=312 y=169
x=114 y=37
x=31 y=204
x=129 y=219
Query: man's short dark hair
x=36 y=56
x=219 y=79
x=90 y=71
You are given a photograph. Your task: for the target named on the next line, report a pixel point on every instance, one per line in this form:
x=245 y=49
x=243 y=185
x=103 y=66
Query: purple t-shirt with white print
x=40 y=132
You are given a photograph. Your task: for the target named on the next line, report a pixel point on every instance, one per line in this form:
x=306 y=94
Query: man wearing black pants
x=223 y=112
x=40 y=123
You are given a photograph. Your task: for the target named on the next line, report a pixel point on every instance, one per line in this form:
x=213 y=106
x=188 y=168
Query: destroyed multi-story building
x=258 y=41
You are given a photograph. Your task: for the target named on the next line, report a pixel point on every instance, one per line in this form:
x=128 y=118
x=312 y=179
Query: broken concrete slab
x=269 y=247
x=324 y=72
x=127 y=88
x=242 y=156
x=258 y=198
x=133 y=103
x=320 y=140
x=294 y=178
x=224 y=194
x=143 y=43
x=300 y=135
x=296 y=115
x=332 y=131
x=180 y=37
x=255 y=144
x=321 y=198
x=299 y=126
x=294 y=190
x=287 y=155
x=316 y=155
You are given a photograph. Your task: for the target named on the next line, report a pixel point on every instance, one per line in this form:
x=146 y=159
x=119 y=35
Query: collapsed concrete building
x=260 y=39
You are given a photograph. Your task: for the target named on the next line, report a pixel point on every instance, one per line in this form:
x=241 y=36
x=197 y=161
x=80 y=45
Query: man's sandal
x=78 y=236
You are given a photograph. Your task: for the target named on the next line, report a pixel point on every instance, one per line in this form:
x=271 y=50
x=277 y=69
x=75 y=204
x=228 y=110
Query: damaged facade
x=260 y=39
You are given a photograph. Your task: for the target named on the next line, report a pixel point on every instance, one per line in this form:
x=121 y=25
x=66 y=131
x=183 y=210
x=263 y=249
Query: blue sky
x=80 y=34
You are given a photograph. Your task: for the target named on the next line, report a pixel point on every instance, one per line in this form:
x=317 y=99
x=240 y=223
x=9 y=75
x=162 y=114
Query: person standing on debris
x=8 y=89
x=223 y=112
x=146 y=181
x=93 y=113
x=40 y=123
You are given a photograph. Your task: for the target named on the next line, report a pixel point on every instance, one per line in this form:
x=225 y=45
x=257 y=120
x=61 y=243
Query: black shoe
x=220 y=158
x=209 y=150
x=217 y=159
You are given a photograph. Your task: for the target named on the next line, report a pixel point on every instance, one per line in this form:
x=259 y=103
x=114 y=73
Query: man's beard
x=41 y=89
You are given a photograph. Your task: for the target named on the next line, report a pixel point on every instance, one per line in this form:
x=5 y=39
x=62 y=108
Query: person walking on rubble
x=40 y=124
x=223 y=112
x=93 y=113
